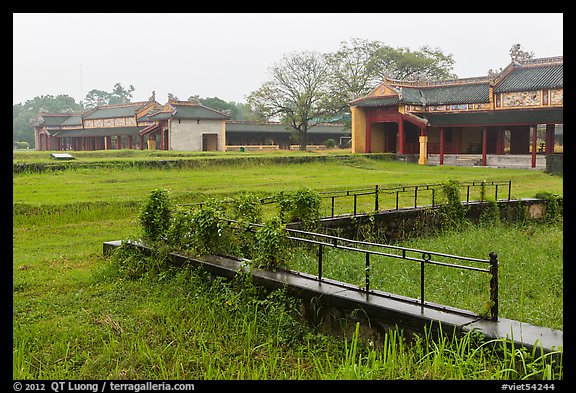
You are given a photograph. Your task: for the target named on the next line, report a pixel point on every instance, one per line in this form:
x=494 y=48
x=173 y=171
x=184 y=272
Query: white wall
x=187 y=135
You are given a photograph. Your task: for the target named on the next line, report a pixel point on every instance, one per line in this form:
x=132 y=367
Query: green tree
x=118 y=95
x=296 y=94
x=402 y=63
x=23 y=114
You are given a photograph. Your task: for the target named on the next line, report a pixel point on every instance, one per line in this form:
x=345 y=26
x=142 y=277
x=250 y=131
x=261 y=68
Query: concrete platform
x=381 y=309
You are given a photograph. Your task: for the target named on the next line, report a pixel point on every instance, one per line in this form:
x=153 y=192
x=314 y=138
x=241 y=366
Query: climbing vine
x=271 y=244
x=155 y=216
x=301 y=206
x=554 y=206
x=452 y=212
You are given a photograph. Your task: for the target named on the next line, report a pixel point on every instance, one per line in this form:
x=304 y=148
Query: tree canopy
x=307 y=88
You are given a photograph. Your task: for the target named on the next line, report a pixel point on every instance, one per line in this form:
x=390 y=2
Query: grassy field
x=76 y=317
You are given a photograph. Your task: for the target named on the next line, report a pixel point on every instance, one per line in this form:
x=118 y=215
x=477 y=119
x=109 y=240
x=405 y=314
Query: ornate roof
x=187 y=110
x=530 y=75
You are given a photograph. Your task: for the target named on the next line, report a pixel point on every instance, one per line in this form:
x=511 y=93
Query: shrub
x=329 y=143
x=155 y=216
x=302 y=206
x=271 y=244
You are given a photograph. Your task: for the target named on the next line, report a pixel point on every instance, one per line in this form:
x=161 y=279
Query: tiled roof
x=107 y=112
x=457 y=94
x=534 y=74
x=377 y=101
x=190 y=110
x=72 y=121
x=53 y=120
x=523 y=78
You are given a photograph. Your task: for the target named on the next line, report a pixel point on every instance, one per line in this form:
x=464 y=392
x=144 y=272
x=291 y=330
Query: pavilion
x=492 y=115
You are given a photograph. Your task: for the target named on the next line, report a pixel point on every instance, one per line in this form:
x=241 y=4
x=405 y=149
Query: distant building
x=486 y=115
x=177 y=125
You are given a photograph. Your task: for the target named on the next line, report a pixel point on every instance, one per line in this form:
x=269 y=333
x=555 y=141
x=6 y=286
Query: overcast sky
x=229 y=55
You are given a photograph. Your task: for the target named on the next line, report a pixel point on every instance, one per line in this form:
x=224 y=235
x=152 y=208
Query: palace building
x=485 y=116
x=177 y=125
x=137 y=125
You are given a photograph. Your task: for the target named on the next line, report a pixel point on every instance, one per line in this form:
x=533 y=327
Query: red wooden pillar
x=129 y=141
x=550 y=128
x=441 y=146
x=484 y=143
x=119 y=142
x=368 y=147
x=534 y=141
x=458 y=140
x=400 y=136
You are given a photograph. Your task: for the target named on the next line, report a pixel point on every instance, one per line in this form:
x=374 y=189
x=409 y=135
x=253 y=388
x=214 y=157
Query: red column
x=441 y=146
x=534 y=141
x=400 y=136
x=484 y=140
x=368 y=147
x=119 y=142
x=550 y=128
x=129 y=142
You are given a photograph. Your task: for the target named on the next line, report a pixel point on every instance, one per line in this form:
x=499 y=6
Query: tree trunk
x=303 y=140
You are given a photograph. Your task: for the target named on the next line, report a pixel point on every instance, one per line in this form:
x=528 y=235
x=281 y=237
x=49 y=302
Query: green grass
x=530 y=270
x=75 y=316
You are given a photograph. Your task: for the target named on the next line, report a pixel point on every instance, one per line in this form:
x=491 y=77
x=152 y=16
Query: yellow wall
x=358 y=130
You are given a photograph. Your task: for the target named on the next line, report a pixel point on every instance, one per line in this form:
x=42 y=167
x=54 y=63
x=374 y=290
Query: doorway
x=209 y=142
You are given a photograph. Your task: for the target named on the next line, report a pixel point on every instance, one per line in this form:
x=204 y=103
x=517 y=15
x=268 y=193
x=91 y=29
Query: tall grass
x=77 y=316
x=530 y=274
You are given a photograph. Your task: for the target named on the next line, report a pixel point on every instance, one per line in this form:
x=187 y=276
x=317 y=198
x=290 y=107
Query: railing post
x=433 y=191
x=367 y=272
x=332 y=206
x=376 y=198
x=509 y=188
x=415 y=196
x=320 y=262
x=494 y=286
x=496 y=192
x=397 y=199
x=355 y=195
x=425 y=257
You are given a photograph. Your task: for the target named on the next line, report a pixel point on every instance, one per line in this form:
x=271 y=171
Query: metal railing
x=414 y=190
x=422 y=257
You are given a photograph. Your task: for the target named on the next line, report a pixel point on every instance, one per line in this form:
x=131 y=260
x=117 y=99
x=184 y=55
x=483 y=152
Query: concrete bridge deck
x=380 y=308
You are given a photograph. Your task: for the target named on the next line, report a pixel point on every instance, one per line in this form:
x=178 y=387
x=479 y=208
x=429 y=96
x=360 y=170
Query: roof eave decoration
x=530 y=63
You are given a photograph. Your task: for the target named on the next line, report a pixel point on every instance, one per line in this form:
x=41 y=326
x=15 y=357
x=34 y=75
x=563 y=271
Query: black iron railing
x=414 y=190
x=422 y=257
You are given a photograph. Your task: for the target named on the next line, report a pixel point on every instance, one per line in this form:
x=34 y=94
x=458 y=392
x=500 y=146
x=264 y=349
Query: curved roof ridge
x=439 y=82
